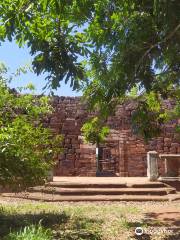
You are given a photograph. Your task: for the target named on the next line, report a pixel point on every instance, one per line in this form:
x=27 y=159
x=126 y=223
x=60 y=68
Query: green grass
x=71 y=221
x=32 y=232
x=65 y=222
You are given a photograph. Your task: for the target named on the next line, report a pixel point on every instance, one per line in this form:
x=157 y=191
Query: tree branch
x=155 y=45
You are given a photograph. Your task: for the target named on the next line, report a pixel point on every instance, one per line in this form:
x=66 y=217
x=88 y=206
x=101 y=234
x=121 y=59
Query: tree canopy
x=104 y=47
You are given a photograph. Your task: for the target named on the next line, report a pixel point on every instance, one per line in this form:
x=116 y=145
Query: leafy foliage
x=124 y=42
x=26 y=147
x=105 y=47
x=174 y=114
x=49 y=30
x=152 y=113
x=94 y=131
x=146 y=122
x=136 y=44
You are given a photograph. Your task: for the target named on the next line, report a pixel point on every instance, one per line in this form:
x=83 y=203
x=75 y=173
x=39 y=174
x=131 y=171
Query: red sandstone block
x=153 y=144
x=87 y=151
x=56 y=125
x=72 y=136
x=160 y=151
x=70 y=156
x=176 y=145
x=166 y=149
x=160 y=146
x=74 y=141
x=140 y=150
x=78 y=150
x=167 y=144
x=67 y=145
x=76 y=146
x=140 y=145
x=161 y=139
x=173 y=150
x=87 y=146
x=167 y=139
x=169 y=135
x=69 y=128
x=86 y=155
x=113 y=151
x=131 y=148
x=67 y=140
x=81 y=112
x=178 y=150
x=176 y=137
x=66 y=165
x=53 y=120
x=61 y=156
x=54 y=130
x=170 y=129
x=71 y=151
x=86 y=162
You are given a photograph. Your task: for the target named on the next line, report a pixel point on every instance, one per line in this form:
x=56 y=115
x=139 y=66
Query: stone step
x=109 y=173
x=106 y=185
x=86 y=185
x=79 y=198
x=171 y=179
x=103 y=191
x=148 y=185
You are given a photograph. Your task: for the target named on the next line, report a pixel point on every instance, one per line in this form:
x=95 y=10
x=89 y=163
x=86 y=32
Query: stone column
x=122 y=159
x=97 y=159
x=152 y=165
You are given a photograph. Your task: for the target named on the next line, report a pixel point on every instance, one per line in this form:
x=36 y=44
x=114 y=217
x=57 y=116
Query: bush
x=32 y=232
x=27 y=148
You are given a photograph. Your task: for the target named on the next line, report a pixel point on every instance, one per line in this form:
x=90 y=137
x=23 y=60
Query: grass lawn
x=23 y=220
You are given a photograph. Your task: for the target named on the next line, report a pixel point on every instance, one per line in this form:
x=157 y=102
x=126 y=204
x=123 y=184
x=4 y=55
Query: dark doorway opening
x=105 y=162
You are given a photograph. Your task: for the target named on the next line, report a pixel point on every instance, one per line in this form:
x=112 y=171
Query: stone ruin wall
x=128 y=151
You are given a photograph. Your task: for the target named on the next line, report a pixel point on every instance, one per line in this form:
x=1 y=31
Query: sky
x=14 y=57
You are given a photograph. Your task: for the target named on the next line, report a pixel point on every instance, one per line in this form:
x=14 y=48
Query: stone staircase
x=59 y=191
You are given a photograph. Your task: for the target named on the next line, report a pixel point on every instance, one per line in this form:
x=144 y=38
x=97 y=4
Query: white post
x=50 y=176
x=166 y=167
x=97 y=159
x=152 y=165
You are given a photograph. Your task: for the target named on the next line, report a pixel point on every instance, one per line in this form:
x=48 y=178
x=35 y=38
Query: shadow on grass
x=154 y=224
x=80 y=228
x=142 y=237
x=64 y=226
x=145 y=236
x=175 y=236
x=165 y=219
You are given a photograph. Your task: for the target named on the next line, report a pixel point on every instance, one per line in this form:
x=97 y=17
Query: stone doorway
x=108 y=160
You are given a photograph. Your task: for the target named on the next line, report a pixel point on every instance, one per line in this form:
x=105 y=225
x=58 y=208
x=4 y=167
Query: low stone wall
x=128 y=152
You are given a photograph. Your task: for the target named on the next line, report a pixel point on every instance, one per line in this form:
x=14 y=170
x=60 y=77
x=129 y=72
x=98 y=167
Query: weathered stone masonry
x=123 y=153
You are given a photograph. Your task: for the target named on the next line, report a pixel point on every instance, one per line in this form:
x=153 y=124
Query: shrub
x=27 y=148
x=33 y=232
